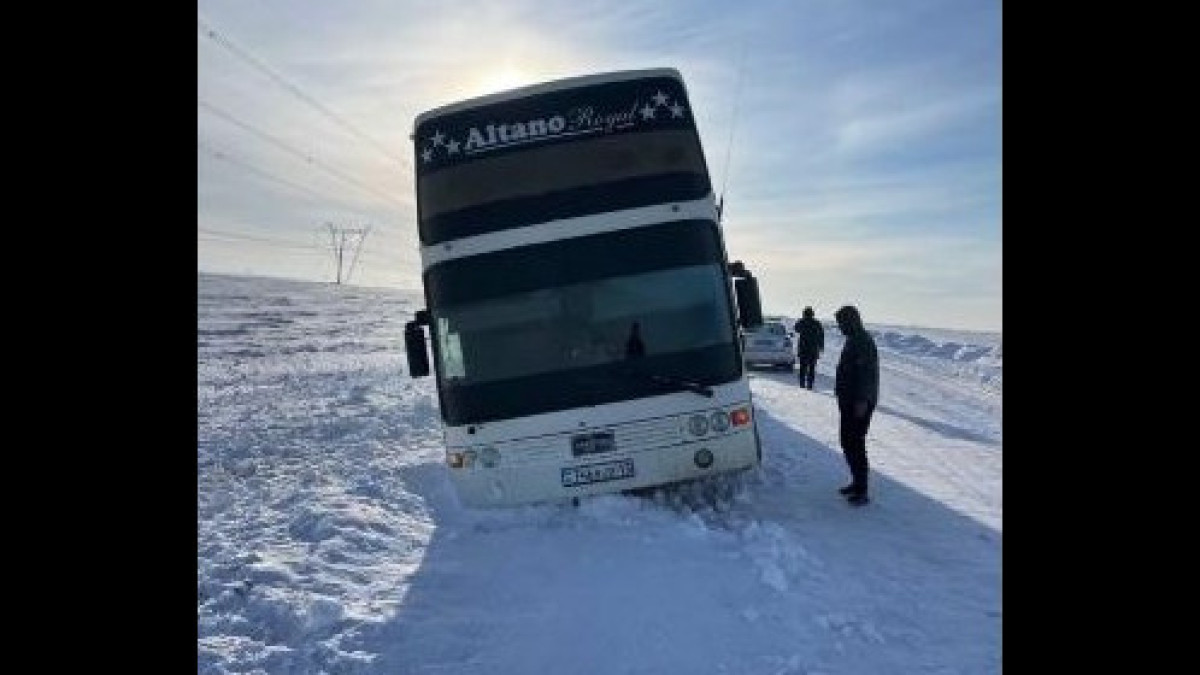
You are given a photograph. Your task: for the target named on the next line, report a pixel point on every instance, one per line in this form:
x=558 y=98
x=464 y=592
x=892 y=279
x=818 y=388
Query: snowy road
x=329 y=538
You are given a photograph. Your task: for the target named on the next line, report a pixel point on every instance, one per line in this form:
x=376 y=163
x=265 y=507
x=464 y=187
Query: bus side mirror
x=749 y=305
x=745 y=287
x=414 y=345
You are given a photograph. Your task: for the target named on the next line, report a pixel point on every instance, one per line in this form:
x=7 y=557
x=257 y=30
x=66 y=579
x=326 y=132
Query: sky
x=330 y=538
x=856 y=143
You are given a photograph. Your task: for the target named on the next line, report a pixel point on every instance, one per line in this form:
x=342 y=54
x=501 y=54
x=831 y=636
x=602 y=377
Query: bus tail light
x=740 y=416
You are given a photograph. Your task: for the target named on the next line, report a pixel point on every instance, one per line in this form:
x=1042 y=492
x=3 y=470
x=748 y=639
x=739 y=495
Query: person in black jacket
x=810 y=342
x=634 y=347
x=856 y=386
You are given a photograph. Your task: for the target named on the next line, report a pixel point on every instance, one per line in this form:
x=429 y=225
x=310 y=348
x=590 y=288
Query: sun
x=503 y=78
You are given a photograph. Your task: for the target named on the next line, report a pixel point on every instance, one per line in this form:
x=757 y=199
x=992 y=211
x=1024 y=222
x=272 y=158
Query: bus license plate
x=597 y=473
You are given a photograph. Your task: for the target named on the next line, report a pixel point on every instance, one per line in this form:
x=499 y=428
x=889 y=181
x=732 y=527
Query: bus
x=582 y=313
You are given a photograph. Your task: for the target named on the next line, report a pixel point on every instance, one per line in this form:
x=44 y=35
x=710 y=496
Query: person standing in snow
x=634 y=347
x=856 y=386
x=810 y=342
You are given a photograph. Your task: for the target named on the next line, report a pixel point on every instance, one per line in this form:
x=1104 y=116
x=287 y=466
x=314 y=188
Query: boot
x=858 y=499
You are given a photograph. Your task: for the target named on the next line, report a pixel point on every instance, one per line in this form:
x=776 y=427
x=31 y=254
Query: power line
x=241 y=53
x=345 y=240
x=225 y=156
x=297 y=152
x=399 y=255
x=264 y=240
x=391 y=258
x=408 y=257
x=737 y=98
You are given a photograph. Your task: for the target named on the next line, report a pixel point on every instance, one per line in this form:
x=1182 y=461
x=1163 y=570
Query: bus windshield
x=515 y=340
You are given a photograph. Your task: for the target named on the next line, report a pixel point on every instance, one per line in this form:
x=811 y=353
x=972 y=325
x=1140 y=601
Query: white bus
x=582 y=312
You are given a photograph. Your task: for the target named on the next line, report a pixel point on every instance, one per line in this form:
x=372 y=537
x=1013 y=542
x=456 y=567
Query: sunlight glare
x=506 y=77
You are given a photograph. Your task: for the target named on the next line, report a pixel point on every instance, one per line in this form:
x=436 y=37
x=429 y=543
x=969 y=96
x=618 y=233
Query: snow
x=329 y=538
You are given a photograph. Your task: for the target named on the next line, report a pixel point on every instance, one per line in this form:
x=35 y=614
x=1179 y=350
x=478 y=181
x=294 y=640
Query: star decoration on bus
x=662 y=100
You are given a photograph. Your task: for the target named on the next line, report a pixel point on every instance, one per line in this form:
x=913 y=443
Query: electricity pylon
x=342 y=238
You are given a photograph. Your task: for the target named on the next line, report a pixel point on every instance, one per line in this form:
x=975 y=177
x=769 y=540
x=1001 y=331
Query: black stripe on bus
x=571 y=261
x=580 y=201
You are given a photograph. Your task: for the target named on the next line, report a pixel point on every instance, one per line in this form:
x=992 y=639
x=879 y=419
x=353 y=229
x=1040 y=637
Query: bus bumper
x=562 y=478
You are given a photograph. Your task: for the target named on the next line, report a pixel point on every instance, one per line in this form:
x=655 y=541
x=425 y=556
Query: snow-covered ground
x=330 y=539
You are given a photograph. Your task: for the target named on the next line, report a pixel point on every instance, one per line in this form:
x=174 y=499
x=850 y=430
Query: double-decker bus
x=581 y=309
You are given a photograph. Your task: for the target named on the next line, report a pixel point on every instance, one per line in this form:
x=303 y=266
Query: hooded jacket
x=810 y=337
x=857 y=377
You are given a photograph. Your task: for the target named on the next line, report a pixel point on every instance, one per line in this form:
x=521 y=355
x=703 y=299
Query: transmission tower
x=344 y=239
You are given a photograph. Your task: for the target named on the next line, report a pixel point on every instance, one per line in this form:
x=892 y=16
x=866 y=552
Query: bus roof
x=550 y=85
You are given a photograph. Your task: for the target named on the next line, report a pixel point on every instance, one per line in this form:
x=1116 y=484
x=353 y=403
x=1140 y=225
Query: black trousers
x=806 y=366
x=852 y=432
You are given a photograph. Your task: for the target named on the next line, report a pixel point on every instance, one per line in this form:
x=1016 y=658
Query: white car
x=769 y=344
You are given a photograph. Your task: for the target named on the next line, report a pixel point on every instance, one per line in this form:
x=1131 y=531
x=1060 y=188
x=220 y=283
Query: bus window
x=450 y=350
